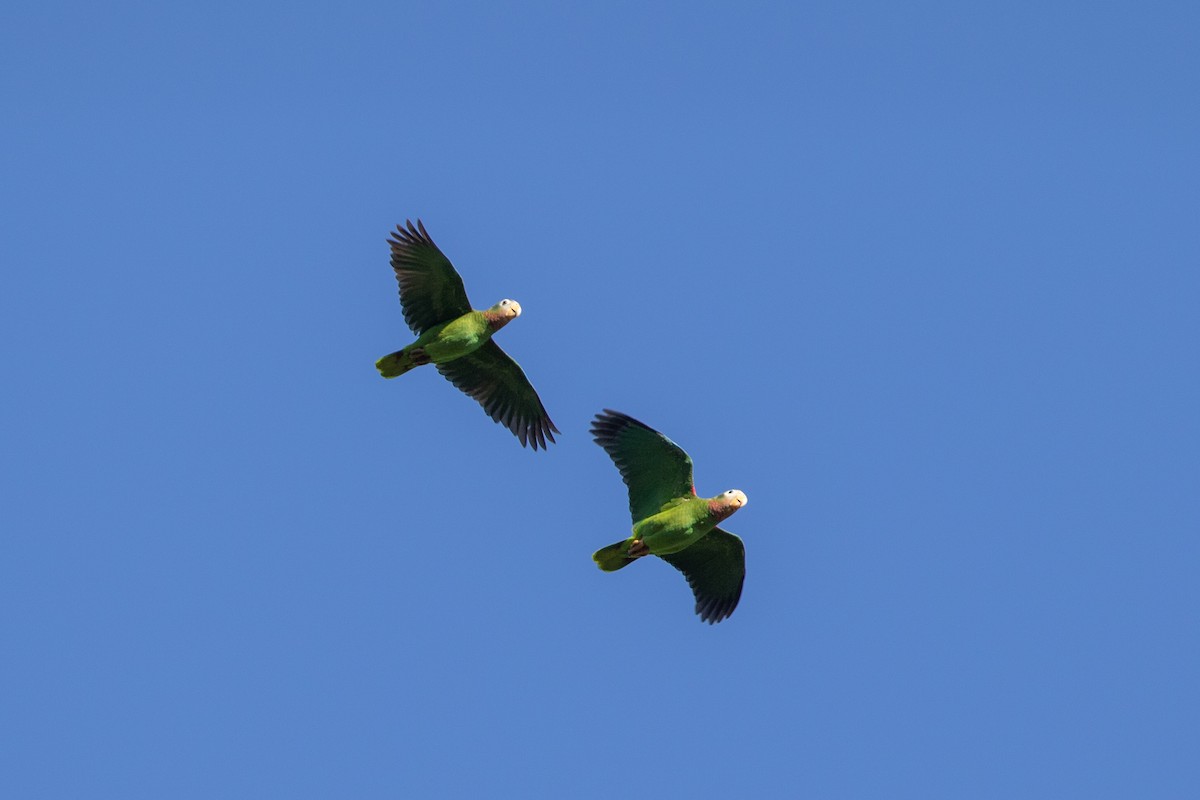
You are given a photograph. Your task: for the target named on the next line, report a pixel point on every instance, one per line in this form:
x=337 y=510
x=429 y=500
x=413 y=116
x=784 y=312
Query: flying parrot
x=669 y=520
x=458 y=340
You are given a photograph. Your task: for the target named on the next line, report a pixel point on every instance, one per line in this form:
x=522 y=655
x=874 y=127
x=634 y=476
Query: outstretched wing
x=500 y=386
x=715 y=568
x=654 y=468
x=431 y=291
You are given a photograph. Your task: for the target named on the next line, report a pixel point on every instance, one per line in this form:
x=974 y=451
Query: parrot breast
x=675 y=528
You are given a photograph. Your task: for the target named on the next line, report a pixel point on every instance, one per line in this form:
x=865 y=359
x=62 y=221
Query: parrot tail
x=396 y=364
x=615 y=556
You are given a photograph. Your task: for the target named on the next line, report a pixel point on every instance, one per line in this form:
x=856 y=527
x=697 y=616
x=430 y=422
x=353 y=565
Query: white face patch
x=510 y=308
x=735 y=497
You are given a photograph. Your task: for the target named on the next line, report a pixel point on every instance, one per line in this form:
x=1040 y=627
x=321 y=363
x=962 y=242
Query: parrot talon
x=638 y=549
x=419 y=357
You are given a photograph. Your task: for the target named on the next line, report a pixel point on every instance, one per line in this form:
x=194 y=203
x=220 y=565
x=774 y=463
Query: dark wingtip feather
x=714 y=608
x=612 y=422
x=539 y=432
x=711 y=611
x=607 y=425
x=407 y=236
x=542 y=430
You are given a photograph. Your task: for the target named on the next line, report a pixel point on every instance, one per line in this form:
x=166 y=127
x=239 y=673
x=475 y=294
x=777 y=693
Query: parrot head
x=502 y=313
x=726 y=503
x=735 y=498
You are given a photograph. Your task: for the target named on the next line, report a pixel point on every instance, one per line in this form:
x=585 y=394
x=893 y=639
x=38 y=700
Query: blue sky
x=921 y=280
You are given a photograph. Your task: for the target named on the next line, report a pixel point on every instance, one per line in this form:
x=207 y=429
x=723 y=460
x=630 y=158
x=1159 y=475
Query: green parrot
x=669 y=520
x=458 y=340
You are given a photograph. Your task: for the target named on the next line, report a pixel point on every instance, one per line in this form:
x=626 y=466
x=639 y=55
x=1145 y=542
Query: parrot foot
x=419 y=357
x=638 y=549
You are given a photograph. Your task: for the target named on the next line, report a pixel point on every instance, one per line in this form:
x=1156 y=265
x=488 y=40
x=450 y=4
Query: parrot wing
x=715 y=568
x=498 y=383
x=654 y=468
x=431 y=291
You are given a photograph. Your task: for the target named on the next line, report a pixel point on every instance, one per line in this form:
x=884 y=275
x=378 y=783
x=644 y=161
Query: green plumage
x=613 y=557
x=457 y=340
x=669 y=520
x=442 y=343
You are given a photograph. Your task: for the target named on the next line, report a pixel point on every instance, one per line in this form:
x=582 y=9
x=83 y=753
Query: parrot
x=457 y=340
x=669 y=520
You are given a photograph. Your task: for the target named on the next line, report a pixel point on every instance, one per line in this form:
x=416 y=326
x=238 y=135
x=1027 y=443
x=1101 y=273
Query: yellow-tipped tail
x=395 y=364
x=613 y=557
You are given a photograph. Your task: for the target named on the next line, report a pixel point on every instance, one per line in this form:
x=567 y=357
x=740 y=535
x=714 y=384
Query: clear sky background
x=921 y=279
